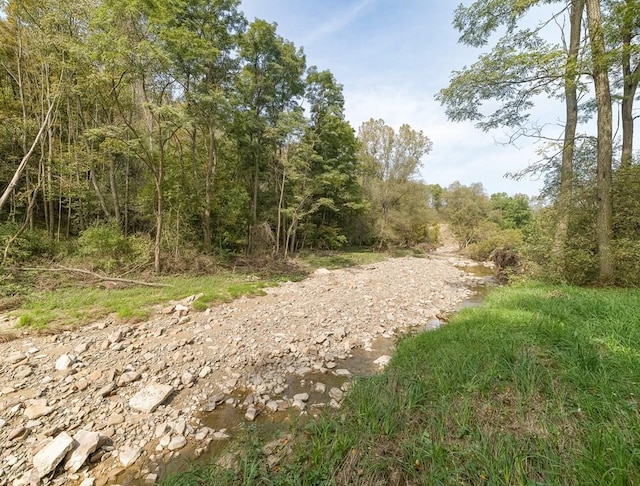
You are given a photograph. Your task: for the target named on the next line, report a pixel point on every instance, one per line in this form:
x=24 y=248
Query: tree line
x=184 y=125
x=585 y=53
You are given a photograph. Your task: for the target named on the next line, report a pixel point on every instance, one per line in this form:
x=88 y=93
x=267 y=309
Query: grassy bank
x=64 y=299
x=538 y=386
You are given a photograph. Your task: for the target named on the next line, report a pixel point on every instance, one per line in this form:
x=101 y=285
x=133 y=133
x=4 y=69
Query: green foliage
x=107 y=248
x=491 y=237
x=30 y=245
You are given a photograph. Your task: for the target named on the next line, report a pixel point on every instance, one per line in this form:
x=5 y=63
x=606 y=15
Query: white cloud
x=461 y=152
x=337 y=22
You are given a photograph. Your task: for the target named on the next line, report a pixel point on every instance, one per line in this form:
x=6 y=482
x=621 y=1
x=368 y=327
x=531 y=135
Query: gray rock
x=127 y=377
x=336 y=393
x=177 y=442
x=88 y=482
x=342 y=372
x=383 y=361
x=22 y=372
x=302 y=397
x=150 y=397
x=50 y=455
x=38 y=409
x=87 y=444
x=64 y=362
x=251 y=413
x=187 y=378
x=204 y=371
x=129 y=455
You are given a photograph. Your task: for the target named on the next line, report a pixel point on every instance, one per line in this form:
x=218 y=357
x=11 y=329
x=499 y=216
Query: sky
x=392 y=57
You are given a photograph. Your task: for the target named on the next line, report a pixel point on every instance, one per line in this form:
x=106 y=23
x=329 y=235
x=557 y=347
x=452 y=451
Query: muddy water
x=230 y=415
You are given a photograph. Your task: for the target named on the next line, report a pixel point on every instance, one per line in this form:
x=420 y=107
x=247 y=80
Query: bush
x=28 y=246
x=108 y=248
x=626 y=255
x=489 y=237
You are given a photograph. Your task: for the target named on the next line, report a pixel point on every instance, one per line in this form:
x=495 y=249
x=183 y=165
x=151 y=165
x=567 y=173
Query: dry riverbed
x=111 y=401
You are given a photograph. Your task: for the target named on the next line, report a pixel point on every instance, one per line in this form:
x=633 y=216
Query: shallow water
x=360 y=363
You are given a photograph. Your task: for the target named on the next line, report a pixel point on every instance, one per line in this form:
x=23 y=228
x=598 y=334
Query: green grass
x=540 y=385
x=74 y=304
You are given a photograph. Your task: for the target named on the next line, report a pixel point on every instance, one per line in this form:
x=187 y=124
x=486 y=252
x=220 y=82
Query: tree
x=390 y=162
x=605 y=139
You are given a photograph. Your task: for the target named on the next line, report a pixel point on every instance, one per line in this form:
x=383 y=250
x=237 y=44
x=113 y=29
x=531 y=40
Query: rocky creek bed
x=111 y=403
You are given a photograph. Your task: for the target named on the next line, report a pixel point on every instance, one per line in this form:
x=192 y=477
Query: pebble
x=120 y=384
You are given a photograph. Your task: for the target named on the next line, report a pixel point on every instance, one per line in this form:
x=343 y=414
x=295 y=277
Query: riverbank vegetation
x=537 y=386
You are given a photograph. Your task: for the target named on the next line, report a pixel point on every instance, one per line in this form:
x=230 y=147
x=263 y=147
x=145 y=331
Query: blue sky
x=392 y=57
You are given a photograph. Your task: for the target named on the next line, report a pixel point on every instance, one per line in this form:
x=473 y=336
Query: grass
x=538 y=386
x=71 y=303
x=74 y=304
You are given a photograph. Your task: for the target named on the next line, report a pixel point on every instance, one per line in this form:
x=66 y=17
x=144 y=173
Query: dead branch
x=92 y=274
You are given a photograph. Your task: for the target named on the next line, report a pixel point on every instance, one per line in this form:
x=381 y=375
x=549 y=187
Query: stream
x=361 y=362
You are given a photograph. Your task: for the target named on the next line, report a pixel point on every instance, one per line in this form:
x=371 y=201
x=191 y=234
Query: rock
x=64 y=362
x=129 y=455
x=181 y=310
x=115 y=419
x=322 y=271
x=50 y=456
x=201 y=434
x=17 y=432
x=165 y=440
x=342 y=372
x=177 y=442
x=81 y=384
x=180 y=427
x=87 y=444
x=303 y=371
x=320 y=339
x=115 y=337
x=161 y=429
x=81 y=348
x=106 y=390
x=127 y=377
x=251 y=414
x=22 y=372
x=272 y=405
x=88 y=482
x=38 y=409
x=320 y=387
x=150 y=397
x=204 y=371
x=336 y=393
x=220 y=434
x=187 y=378
x=302 y=397
x=383 y=361
x=151 y=478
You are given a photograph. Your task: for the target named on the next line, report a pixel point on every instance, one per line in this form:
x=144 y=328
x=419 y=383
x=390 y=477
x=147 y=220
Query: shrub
x=108 y=248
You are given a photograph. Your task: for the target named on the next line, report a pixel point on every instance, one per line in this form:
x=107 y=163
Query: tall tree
x=391 y=162
x=605 y=138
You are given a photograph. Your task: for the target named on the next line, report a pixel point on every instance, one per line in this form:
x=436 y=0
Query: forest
x=171 y=132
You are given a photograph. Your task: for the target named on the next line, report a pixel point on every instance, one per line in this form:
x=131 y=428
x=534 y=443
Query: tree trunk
x=630 y=83
x=159 y=212
x=114 y=191
x=212 y=163
x=23 y=163
x=605 y=140
x=571 y=123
